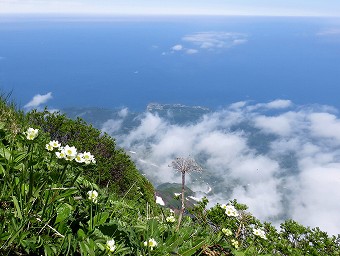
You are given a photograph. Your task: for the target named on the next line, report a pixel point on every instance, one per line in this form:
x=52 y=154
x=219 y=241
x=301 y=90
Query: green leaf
x=81 y=233
x=5 y=153
x=20 y=156
x=2 y=169
x=66 y=193
x=63 y=212
x=16 y=204
x=100 y=218
x=100 y=246
x=83 y=248
x=192 y=250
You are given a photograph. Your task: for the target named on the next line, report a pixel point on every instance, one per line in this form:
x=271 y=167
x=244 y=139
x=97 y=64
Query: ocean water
x=131 y=61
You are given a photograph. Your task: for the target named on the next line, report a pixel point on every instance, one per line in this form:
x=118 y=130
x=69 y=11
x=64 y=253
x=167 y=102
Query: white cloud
x=281 y=125
x=314 y=202
x=294 y=173
x=181 y=48
x=262 y=198
x=123 y=112
x=191 y=51
x=237 y=105
x=177 y=47
x=111 y=126
x=239 y=41
x=150 y=126
x=329 y=32
x=38 y=100
x=215 y=40
x=277 y=104
x=325 y=125
x=195 y=42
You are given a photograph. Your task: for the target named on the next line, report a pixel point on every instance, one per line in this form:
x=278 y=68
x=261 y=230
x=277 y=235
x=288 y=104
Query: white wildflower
x=110 y=245
x=88 y=158
x=260 y=233
x=52 y=145
x=227 y=231
x=230 y=210
x=55 y=144
x=31 y=133
x=170 y=219
x=234 y=243
x=60 y=154
x=79 y=158
x=70 y=152
x=93 y=196
x=150 y=243
x=49 y=147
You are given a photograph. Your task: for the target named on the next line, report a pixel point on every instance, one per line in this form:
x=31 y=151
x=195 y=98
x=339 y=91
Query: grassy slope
x=45 y=209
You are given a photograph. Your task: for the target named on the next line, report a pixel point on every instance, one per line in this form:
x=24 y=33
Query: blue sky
x=162 y=7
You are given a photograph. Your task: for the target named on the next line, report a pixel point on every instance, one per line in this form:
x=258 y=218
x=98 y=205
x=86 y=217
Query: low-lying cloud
x=38 y=100
x=280 y=159
x=207 y=41
x=215 y=40
x=329 y=32
x=177 y=47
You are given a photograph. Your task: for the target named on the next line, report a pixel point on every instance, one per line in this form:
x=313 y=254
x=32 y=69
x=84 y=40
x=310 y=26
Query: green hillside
x=66 y=189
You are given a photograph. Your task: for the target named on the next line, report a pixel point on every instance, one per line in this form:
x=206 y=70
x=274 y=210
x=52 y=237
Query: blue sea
x=112 y=62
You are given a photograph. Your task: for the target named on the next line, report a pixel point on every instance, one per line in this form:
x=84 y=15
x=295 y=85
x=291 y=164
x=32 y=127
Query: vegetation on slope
x=50 y=204
x=115 y=169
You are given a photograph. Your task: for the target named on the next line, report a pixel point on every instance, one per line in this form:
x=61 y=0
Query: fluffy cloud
x=177 y=47
x=213 y=40
x=283 y=163
x=193 y=43
x=123 y=112
x=325 y=125
x=111 y=126
x=38 y=100
x=275 y=104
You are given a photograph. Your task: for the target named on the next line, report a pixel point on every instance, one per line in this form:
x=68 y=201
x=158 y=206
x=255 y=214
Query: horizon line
x=106 y=15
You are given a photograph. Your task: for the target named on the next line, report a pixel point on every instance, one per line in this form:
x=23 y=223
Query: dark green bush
x=115 y=169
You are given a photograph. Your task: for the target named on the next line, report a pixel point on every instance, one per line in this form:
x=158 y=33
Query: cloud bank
x=280 y=159
x=208 y=41
x=215 y=40
x=38 y=100
x=329 y=32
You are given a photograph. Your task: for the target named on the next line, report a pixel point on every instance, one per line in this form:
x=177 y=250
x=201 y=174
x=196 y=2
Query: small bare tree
x=184 y=165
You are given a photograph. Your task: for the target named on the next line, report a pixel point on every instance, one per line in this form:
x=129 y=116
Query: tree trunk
x=183 y=201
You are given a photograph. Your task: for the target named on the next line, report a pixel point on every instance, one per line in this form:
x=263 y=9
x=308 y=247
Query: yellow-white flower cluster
x=234 y=243
x=227 y=231
x=170 y=219
x=93 y=196
x=150 y=243
x=31 y=133
x=52 y=145
x=260 y=233
x=70 y=153
x=230 y=210
x=110 y=245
